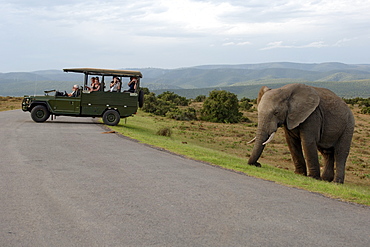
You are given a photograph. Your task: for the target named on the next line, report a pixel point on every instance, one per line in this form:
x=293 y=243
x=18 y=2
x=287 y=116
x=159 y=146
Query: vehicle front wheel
x=111 y=117
x=40 y=114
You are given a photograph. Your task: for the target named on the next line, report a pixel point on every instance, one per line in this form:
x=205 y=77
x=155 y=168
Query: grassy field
x=226 y=145
x=10 y=103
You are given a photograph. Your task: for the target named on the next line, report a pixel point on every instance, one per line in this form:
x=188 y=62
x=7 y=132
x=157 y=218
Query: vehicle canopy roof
x=106 y=72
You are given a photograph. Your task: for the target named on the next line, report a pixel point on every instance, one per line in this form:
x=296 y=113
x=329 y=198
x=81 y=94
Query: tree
x=221 y=107
x=245 y=104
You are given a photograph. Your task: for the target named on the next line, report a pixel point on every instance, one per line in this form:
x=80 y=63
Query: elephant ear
x=262 y=91
x=303 y=101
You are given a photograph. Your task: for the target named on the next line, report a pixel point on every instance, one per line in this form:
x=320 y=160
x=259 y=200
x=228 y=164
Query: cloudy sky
x=48 y=34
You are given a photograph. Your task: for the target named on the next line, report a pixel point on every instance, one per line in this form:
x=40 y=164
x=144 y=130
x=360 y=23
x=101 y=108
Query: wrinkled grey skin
x=313 y=119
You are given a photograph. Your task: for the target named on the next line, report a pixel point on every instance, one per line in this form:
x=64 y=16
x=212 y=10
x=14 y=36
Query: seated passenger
x=132 y=84
x=95 y=84
x=115 y=85
x=75 y=92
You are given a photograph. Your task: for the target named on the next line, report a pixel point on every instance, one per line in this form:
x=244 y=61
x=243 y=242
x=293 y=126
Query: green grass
x=143 y=128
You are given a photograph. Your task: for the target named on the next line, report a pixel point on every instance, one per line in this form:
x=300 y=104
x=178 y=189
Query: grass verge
x=144 y=128
x=10 y=103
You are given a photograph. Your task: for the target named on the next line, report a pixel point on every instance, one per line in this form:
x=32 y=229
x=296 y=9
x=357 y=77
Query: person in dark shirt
x=132 y=84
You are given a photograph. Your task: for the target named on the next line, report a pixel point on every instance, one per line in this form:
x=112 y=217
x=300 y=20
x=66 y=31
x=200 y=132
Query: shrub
x=174 y=98
x=166 y=104
x=145 y=90
x=245 y=104
x=221 y=107
x=150 y=103
x=164 y=132
x=365 y=110
x=183 y=115
x=157 y=106
x=364 y=104
x=200 y=98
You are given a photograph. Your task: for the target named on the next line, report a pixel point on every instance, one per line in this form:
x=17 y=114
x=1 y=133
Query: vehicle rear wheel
x=111 y=117
x=141 y=99
x=40 y=113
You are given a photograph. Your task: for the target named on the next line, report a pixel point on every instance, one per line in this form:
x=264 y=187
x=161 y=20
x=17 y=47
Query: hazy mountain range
x=347 y=80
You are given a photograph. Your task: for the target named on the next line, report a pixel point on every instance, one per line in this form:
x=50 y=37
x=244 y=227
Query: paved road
x=65 y=183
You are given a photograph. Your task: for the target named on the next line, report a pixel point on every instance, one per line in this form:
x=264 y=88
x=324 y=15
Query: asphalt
x=67 y=183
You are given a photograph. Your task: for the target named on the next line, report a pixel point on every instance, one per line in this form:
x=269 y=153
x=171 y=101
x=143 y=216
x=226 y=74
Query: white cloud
x=236 y=43
x=279 y=44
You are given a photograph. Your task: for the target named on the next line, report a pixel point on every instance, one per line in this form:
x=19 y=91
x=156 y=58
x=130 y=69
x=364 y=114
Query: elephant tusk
x=251 y=141
x=270 y=138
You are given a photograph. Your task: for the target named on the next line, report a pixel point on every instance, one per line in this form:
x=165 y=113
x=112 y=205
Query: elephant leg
x=328 y=172
x=340 y=156
x=340 y=166
x=310 y=151
x=312 y=160
x=309 y=133
x=295 y=147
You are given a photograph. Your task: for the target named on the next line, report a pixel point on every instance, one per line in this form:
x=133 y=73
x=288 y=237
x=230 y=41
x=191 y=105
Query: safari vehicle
x=111 y=106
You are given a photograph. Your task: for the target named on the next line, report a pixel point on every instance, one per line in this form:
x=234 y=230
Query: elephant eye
x=276 y=113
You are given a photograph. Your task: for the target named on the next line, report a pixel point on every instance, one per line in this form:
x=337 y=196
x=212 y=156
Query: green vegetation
x=364 y=104
x=167 y=104
x=221 y=107
x=250 y=89
x=246 y=104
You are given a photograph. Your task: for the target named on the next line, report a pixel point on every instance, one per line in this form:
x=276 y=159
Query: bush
x=365 y=110
x=150 y=102
x=200 y=98
x=164 y=132
x=245 y=104
x=221 y=107
x=364 y=104
x=183 y=115
x=166 y=104
x=145 y=90
x=174 y=98
x=156 y=105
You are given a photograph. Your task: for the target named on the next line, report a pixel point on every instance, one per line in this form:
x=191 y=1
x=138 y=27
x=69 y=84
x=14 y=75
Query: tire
x=40 y=114
x=141 y=99
x=111 y=117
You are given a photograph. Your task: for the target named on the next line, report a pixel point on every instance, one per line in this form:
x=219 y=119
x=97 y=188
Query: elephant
x=314 y=119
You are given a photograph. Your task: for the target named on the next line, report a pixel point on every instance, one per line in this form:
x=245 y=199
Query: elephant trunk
x=260 y=140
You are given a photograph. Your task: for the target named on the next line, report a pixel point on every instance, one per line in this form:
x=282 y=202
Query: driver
x=75 y=91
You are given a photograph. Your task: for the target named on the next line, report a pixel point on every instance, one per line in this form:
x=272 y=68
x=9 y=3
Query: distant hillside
x=236 y=77
x=342 y=89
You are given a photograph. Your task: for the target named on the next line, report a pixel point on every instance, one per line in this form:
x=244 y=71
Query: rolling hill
x=347 y=80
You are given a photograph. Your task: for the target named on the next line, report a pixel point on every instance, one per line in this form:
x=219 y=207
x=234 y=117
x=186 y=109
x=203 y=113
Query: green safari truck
x=110 y=106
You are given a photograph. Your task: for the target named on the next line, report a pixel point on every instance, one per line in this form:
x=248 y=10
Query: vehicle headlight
x=26 y=101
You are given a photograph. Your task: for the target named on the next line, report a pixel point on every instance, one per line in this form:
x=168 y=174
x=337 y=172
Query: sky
x=113 y=34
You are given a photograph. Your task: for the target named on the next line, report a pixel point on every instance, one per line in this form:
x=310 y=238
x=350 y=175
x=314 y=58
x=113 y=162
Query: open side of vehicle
x=111 y=106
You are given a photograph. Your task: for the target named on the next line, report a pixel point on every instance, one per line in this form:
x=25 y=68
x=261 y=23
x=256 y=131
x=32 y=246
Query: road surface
x=66 y=183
